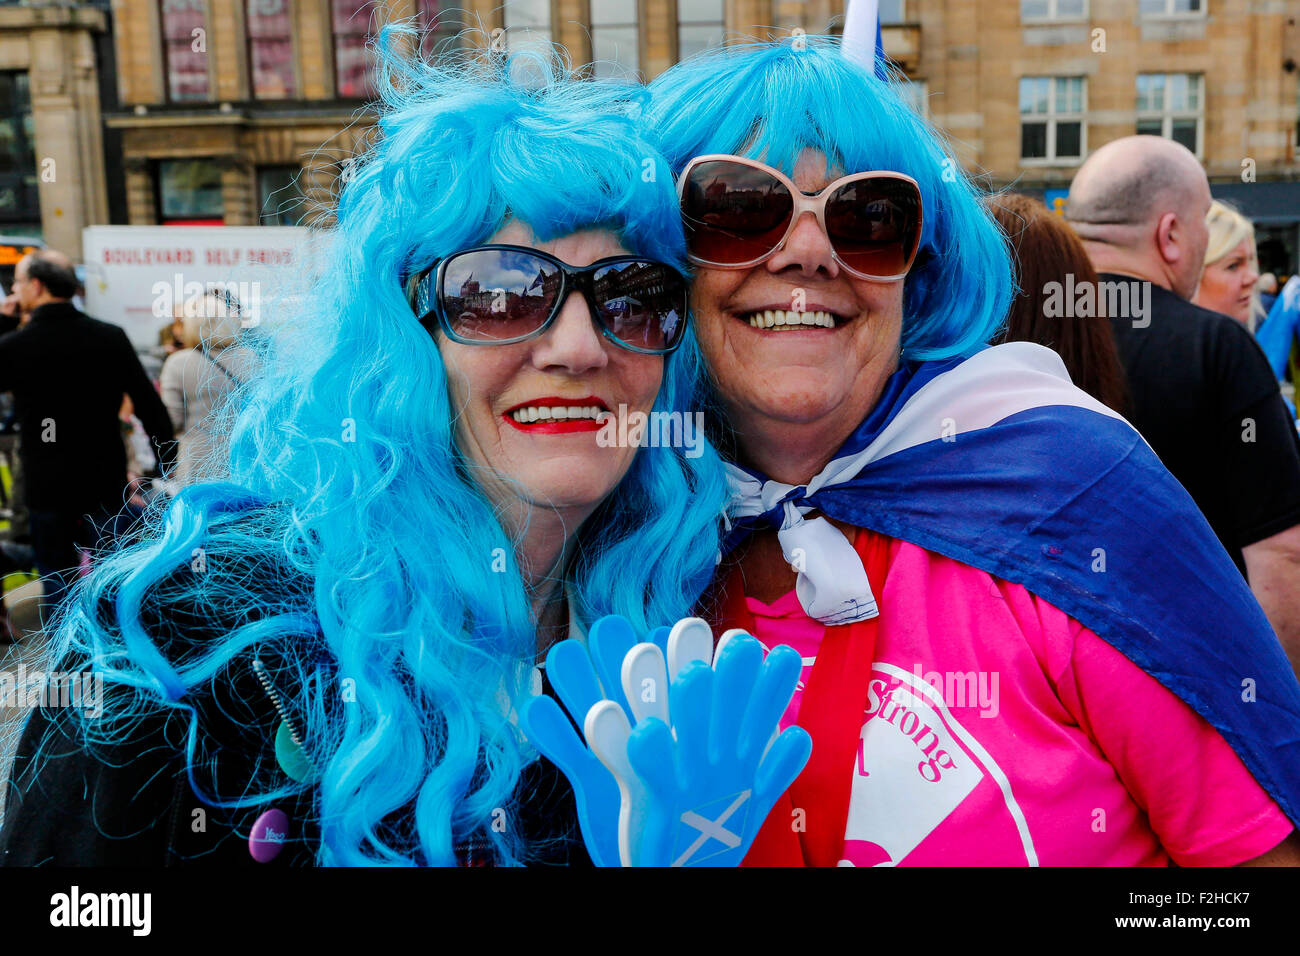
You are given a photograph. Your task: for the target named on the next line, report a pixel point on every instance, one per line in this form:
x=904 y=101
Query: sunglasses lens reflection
x=491 y=295
x=873 y=225
x=734 y=213
x=643 y=304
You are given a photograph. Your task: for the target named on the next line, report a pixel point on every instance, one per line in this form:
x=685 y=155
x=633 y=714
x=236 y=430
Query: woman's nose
x=807 y=248
x=572 y=344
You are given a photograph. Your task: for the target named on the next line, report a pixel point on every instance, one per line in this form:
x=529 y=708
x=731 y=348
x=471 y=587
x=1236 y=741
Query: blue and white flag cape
x=999 y=462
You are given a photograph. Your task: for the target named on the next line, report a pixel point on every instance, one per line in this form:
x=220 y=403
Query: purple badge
x=268 y=836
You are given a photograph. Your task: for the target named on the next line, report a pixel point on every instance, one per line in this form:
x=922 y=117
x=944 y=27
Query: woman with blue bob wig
x=1023 y=644
x=314 y=656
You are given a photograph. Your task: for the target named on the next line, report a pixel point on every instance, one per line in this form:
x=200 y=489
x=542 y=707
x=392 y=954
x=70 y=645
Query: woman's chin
x=790 y=409
x=568 y=491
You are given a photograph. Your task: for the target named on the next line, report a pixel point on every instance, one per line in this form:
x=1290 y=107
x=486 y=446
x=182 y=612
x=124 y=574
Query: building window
x=614 y=37
x=1052 y=10
x=440 y=26
x=915 y=94
x=1051 y=118
x=1171 y=8
x=528 y=25
x=189 y=192
x=270 y=50
x=1171 y=105
x=185 y=58
x=892 y=11
x=701 y=24
x=19 y=201
x=353 y=69
x=280 y=198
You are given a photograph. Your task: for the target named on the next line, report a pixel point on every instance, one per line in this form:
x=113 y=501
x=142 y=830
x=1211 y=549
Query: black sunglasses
x=500 y=294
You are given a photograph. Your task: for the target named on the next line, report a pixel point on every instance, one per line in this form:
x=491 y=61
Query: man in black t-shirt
x=1202 y=392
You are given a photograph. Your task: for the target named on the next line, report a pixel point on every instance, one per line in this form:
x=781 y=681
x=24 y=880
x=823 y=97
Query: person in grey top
x=198 y=380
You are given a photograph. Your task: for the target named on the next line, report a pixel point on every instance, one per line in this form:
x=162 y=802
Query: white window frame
x=635 y=26
x=527 y=38
x=1051 y=118
x=1053 y=16
x=721 y=25
x=1168 y=116
x=1171 y=14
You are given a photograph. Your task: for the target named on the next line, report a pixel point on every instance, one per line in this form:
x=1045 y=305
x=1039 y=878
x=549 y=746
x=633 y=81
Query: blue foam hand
x=711 y=780
x=609 y=641
x=644 y=796
x=595 y=791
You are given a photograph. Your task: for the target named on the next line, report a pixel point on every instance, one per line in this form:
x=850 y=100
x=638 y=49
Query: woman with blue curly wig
x=1022 y=642
x=316 y=658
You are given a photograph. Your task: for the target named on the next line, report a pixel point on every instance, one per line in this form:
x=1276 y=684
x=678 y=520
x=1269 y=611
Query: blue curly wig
x=348 y=541
x=771 y=101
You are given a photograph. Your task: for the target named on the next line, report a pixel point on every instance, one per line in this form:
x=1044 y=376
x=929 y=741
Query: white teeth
x=782 y=319
x=557 y=413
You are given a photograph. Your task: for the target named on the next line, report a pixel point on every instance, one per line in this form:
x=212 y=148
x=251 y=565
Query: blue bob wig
x=346 y=539
x=771 y=101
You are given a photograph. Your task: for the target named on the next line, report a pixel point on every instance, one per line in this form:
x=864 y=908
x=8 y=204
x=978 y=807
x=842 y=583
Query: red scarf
x=832 y=711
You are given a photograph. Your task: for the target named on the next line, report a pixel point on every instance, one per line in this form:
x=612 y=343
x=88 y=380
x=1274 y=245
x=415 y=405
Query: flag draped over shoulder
x=999 y=462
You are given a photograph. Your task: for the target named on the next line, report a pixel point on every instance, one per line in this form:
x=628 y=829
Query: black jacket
x=135 y=806
x=68 y=373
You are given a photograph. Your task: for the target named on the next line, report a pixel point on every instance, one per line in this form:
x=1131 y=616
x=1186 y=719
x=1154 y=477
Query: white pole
x=859 y=42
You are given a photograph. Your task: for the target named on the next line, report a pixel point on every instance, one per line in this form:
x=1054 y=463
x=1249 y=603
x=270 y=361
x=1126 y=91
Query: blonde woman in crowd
x=1230 y=281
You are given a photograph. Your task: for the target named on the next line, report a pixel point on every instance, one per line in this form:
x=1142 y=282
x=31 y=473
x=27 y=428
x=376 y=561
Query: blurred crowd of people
x=87 y=434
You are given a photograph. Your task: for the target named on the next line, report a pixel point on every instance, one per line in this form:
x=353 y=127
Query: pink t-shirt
x=1000 y=731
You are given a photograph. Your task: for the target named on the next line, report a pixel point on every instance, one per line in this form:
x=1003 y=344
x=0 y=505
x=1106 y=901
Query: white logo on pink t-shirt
x=915 y=765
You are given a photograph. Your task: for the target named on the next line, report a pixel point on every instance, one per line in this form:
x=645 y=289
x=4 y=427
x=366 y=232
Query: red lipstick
x=562 y=427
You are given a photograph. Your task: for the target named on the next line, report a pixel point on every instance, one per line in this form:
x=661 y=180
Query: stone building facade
x=52 y=158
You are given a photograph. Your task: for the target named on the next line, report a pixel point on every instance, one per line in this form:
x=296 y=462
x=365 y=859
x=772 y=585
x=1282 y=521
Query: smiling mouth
x=552 y=416
x=782 y=320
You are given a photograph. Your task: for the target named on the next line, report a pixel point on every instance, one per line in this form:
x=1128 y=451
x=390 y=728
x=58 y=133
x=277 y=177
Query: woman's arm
x=1286 y=853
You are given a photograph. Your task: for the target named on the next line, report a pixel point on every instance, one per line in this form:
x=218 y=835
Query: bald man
x=1203 y=394
x=68 y=373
